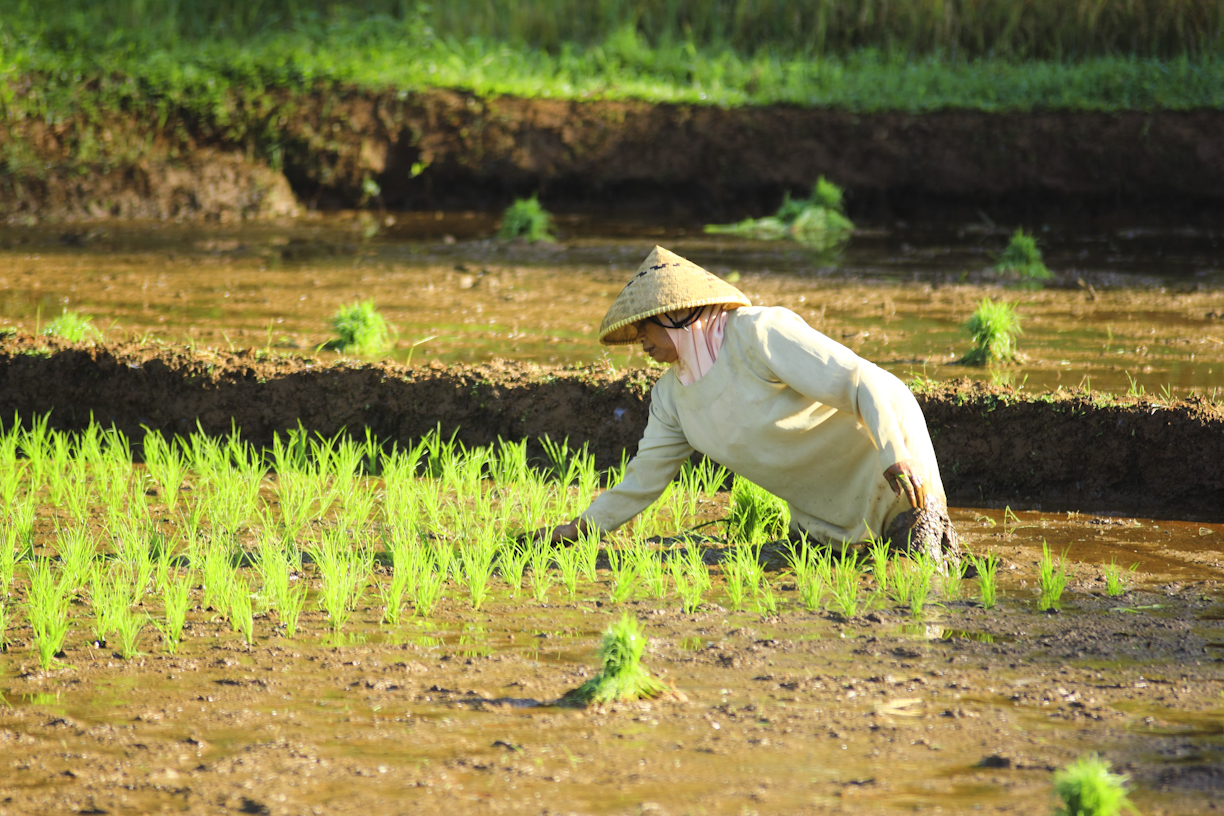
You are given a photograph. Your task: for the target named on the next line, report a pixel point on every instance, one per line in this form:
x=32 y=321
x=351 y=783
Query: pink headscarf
x=698 y=343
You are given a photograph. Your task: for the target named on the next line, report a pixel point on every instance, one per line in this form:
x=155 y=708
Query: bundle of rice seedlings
x=1087 y=788
x=623 y=678
x=73 y=327
x=817 y=222
x=359 y=327
x=993 y=327
x=1022 y=258
x=526 y=219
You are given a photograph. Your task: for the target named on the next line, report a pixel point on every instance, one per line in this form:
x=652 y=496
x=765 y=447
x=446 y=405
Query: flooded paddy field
x=780 y=706
x=1129 y=309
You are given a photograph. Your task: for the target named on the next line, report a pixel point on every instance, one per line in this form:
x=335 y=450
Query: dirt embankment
x=441 y=149
x=1067 y=449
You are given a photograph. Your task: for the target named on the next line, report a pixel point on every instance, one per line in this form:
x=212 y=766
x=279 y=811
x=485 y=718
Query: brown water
x=898 y=296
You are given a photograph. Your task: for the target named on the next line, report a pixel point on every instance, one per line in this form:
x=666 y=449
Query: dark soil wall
x=676 y=160
x=1066 y=450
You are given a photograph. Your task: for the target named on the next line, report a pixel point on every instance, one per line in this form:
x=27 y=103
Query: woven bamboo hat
x=664 y=282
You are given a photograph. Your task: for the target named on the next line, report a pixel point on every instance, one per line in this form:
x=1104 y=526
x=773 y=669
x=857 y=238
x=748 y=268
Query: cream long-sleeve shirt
x=799 y=414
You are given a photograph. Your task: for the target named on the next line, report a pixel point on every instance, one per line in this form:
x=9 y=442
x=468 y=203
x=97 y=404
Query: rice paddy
x=292 y=541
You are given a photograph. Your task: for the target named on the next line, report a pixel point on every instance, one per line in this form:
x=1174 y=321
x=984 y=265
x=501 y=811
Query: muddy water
x=1131 y=308
x=961 y=711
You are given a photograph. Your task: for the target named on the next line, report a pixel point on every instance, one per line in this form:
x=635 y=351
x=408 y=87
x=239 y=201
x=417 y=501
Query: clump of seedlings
x=756 y=515
x=993 y=327
x=73 y=327
x=359 y=327
x=623 y=678
x=1022 y=259
x=526 y=219
x=818 y=222
x=1087 y=788
x=1051 y=579
x=987 y=567
x=1117 y=579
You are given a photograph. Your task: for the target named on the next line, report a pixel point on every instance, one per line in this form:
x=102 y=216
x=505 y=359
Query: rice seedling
x=342 y=571
x=902 y=574
x=355 y=508
x=526 y=219
x=757 y=515
x=78 y=498
x=541 y=577
x=77 y=552
x=359 y=327
x=428 y=592
x=705 y=477
x=73 y=327
x=512 y=563
x=623 y=567
x=879 y=553
x=176 y=599
x=1117 y=579
x=109 y=597
x=1087 y=788
x=812 y=567
x=1022 y=258
x=622 y=678
x=4 y=616
x=166 y=465
x=586 y=550
x=47 y=610
x=767 y=599
x=951 y=581
x=817 y=222
x=392 y=594
x=649 y=566
x=217 y=577
x=845 y=589
x=923 y=568
x=129 y=626
x=241 y=610
x=569 y=567
x=691 y=577
x=1051 y=579
x=743 y=571
x=993 y=327
x=476 y=560
x=987 y=567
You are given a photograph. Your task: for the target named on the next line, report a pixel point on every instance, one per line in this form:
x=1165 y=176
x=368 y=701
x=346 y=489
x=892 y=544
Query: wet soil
x=443 y=149
x=1064 y=449
x=964 y=710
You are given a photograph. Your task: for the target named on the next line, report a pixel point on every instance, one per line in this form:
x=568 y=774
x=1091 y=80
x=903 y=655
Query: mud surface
x=961 y=711
x=1067 y=449
x=442 y=149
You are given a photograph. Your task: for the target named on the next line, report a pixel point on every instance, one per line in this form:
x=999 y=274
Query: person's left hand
x=903 y=476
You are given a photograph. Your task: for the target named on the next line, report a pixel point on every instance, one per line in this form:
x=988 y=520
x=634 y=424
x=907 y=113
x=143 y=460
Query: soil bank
x=1066 y=449
x=439 y=149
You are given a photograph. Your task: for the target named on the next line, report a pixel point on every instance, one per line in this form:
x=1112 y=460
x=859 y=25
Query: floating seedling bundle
x=817 y=222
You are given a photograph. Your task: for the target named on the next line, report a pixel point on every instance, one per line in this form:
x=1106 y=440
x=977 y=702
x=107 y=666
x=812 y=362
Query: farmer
x=762 y=393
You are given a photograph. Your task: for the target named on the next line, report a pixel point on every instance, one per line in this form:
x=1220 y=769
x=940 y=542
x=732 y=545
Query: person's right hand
x=561 y=534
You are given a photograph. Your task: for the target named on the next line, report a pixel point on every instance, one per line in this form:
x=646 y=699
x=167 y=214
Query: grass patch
x=359 y=327
x=526 y=219
x=993 y=327
x=623 y=678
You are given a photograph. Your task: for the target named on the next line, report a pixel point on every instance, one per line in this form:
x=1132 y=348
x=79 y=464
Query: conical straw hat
x=664 y=282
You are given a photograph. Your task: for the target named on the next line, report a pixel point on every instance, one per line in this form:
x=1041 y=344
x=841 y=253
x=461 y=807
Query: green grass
x=622 y=678
x=1022 y=259
x=360 y=328
x=236 y=70
x=526 y=219
x=993 y=327
x=73 y=327
x=1087 y=788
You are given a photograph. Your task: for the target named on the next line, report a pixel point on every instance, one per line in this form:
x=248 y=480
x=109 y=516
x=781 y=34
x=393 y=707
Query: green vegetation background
x=64 y=59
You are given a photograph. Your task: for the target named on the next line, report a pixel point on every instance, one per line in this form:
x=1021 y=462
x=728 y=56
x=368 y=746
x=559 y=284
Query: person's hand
x=903 y=477
x=562 y=534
